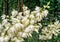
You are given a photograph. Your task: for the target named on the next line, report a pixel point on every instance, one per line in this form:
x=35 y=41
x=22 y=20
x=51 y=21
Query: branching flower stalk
x=50 y=30
x=16 y=27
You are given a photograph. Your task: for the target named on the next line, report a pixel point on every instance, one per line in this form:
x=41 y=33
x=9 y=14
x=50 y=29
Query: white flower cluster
x=50 y=30
x=20 y=25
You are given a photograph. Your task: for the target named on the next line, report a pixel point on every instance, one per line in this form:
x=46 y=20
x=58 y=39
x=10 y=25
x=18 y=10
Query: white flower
x=11 y=32
x=37 y=8
x=12 y=29
x=26 y=23
x=20 y=34
x=38 y=14
x=56 y=23
x=36 y=30
x=25 y=8
x=3 y=16
x=6 y=39
x=1 y=39
x=24 y=35
x=27 y=12
x=32 y=21
x=45 y=37
x=17 y=40
x=14 y=13
x=15 y=20
x=20 y=14
x=40 y=18
x=1 y=28
x=29 y=29
x=41 y=37
x=32 y=16
x=18 y=26
x=4 y=21
x=24 y=19
x=45 y=12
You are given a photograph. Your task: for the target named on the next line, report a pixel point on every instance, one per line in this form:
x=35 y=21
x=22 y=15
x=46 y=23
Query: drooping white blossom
x=50 y=30
x=19 y=26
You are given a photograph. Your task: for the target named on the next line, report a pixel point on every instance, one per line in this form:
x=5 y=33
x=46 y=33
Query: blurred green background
x=54 y=14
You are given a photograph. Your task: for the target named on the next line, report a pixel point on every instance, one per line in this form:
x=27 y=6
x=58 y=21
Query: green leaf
x=58 y=1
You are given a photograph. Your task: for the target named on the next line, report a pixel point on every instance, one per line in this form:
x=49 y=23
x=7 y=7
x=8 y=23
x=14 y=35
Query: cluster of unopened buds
x=20 y=25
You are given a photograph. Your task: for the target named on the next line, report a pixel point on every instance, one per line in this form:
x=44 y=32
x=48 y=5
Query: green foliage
x=1 y=7
x=32 y=3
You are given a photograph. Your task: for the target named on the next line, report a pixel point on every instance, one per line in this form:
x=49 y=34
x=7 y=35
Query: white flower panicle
x=50 y=30
x=16 y=27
